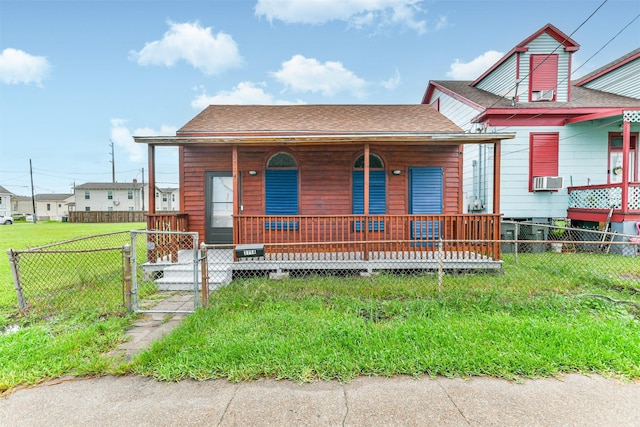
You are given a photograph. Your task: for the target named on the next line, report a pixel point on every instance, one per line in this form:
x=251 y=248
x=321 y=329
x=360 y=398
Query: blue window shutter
x=281 y=188
x=425 y=193
x=377 y=192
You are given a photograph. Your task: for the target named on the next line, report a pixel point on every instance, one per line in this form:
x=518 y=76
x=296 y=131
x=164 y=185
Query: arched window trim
x=282 y=153
x=372 y=156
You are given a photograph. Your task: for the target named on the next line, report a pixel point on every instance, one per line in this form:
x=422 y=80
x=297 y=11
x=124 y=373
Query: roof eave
x=396 y=138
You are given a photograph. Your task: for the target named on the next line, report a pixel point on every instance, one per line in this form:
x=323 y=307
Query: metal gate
x=165 y=272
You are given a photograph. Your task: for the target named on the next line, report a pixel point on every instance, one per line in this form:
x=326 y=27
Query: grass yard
x=73 y=343
x=519 y=324
x=23 y=235
x=536 y=318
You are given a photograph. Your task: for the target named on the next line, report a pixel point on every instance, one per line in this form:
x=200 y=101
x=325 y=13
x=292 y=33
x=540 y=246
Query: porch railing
x=371 y=233
x=161 y=246
x=167 y=221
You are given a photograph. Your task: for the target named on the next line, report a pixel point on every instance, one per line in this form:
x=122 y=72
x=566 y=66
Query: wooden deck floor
x=421 y=260
x=222 y=268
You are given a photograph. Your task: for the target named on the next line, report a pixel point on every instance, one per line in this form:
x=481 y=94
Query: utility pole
x=33 y=196
x=113 y=163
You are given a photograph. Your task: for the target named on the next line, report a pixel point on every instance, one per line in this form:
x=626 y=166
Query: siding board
x=325 y=176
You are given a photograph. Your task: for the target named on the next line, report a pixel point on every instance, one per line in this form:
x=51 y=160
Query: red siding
x=325 y=176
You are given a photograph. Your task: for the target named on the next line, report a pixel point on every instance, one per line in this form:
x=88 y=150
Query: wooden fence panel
x=107 y=216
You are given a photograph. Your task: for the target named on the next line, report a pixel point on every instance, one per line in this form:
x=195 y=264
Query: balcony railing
x=371 y=234
x=604 y=197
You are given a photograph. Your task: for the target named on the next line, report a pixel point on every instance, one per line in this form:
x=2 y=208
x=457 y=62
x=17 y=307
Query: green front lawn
x=342 y=328
x=536 y=318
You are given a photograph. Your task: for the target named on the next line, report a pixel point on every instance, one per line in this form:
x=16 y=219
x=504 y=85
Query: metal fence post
x=126 y=254
x=13 y=261
x=515 y=243
x=440 y=266
x=205 y=274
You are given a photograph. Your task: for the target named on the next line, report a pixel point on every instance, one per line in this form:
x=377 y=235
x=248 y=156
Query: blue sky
x=77 y=76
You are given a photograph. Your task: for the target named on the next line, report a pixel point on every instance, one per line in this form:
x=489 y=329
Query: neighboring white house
x=52 y=206
x=167 y=199
x=5 y=202
x=111 y=196
x=574 y=138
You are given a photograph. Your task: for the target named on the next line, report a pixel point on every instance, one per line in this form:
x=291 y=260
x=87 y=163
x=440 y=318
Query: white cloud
x=17 y=66
x=247 y=93
x=392 y=82
x=196 y=45
x=358 y=13
x=301 y=74
x=123 y=138
x=473 y=69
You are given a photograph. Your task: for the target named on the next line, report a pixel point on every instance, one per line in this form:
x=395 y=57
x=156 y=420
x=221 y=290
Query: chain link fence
x=151 y=271
x=168 y=272
x=71 y=276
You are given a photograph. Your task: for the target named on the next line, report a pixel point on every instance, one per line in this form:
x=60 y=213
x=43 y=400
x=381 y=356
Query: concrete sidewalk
x=575 y=400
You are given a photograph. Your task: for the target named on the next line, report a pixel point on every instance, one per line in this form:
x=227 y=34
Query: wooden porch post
x=236 y=191
x=496 y=177
x=365 y=226
x=626 y=149
x=152 y=178
x=366 y=179
x=181 y=177
x=496 y=197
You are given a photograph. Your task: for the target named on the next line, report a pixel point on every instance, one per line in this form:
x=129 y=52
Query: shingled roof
x=580 y=98
x=317 y=119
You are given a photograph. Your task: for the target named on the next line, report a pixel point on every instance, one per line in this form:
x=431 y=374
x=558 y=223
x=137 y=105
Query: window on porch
x=615 y=158
x=281 y=189
x=377 y=186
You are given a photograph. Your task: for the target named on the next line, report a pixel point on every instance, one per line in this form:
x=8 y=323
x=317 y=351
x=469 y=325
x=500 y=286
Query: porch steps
x=180 y=276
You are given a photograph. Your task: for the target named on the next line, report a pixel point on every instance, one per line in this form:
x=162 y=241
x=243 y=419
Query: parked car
x=6 y=220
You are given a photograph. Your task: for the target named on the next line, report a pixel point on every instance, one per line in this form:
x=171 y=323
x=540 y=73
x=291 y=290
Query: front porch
x=352 y=242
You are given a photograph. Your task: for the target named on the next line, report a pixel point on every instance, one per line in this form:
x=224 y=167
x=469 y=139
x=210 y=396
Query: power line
x=566 y=78
x=515 y=86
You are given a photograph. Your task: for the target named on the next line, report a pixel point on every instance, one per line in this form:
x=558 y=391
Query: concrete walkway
x=167 y=314
x=575 y=400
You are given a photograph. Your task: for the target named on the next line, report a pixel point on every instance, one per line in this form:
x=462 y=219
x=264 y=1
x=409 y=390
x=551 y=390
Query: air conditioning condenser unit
x=542 y=95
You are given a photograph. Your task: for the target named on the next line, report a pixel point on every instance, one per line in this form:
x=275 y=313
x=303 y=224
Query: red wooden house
x=351 y=182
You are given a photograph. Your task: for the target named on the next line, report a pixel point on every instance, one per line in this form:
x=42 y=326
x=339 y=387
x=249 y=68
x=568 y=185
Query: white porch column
x=628 y=117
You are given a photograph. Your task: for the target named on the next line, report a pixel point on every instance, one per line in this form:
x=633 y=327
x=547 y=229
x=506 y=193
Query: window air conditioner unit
x=547 y=183
x=542 y=95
